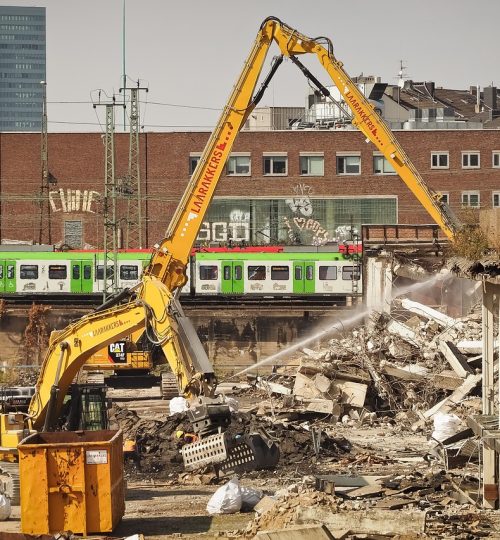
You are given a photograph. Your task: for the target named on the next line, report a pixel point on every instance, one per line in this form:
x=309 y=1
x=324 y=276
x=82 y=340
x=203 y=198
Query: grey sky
x=189 y=53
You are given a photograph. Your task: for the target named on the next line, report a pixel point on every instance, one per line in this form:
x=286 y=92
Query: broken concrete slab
x=447 y=380
x=367 y=522
x=403 y=331
x=324 y=406
x=305 y=387
x=350 y=393
x=431 y=313
x=456 y=397
x=455 y=358
x=322 y=383
x=412 y=372
x=274 y=388
x=265 y=504
x=300 y=532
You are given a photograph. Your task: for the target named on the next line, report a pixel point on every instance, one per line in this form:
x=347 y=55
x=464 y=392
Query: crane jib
x=214 y=163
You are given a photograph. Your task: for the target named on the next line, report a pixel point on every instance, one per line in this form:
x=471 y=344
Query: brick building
x=280 y=186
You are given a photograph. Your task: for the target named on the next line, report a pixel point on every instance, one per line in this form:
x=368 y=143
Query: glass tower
x=22 y=67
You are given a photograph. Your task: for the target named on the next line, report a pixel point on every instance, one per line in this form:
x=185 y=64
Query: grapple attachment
x=231 y=455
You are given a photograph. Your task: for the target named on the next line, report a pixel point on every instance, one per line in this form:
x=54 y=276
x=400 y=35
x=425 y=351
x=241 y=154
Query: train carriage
x=273 y=271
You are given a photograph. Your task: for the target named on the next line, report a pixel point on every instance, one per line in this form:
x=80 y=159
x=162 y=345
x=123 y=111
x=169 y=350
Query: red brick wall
x=76 y=160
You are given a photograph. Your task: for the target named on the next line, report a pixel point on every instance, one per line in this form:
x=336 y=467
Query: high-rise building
x=22 y=67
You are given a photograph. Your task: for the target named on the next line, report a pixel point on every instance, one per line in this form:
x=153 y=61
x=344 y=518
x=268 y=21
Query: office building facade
x=22 y=67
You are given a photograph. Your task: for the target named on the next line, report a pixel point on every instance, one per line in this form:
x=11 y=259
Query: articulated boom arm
x=155 y=307
x=171 y=255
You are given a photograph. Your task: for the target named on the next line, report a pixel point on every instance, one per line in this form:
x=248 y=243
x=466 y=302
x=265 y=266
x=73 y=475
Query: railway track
x=188 y=302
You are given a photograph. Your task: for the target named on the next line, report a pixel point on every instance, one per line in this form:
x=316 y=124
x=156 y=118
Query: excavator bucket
x=232 y=455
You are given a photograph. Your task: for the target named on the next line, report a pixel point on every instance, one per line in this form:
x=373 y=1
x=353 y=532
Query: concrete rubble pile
x=389 y=507
x=411 y=370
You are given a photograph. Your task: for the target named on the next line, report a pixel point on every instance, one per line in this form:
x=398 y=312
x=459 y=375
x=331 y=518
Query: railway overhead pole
x=110 y=263
x=131 y=188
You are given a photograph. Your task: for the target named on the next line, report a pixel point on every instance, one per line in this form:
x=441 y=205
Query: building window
x=193 y=161
x=312 y=165
x=495 y=199
x=470 y=198
x=382 y=166
x=440 y=160
x=348 y=164
x=445 y=197
x=238 y=165
x=495 y=161
x=470 y=160
x=275 y=165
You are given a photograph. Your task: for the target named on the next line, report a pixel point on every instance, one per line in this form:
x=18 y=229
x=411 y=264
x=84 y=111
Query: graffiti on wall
x=73 y=200
x=301 y=204
x=236 y=229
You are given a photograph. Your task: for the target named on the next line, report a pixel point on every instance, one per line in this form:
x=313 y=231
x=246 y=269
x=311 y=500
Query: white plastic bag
x=250 y=497
x=4 y=507
x=227 y=499
x=445 y=425
x=177 y=405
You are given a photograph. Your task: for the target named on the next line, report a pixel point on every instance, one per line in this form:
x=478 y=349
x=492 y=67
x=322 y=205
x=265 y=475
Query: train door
x=81 y=276
x=232 y=277
x=303 y=277
x=7 y=276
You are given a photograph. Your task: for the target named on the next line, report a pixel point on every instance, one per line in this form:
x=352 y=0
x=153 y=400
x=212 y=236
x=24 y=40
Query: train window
x=309 y=272
x=238 y=272
x=76 y=271
x=57 y=271
x=209 y=272
x=227 y=271
x=328 y=272
x=11 y=271
x=280 y=273
x=298 y=273
x=1 y=271
x=129 y=271
x=28 y=271
x=100 y=271
x=351 y=272
x=257 y=272
x=87 y=271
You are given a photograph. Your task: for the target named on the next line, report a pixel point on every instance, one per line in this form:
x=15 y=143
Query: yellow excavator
x=153 y=308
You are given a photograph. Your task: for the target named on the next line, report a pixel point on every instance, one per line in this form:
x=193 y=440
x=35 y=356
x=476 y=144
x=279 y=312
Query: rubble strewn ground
x=356 y=423
x=372 y=433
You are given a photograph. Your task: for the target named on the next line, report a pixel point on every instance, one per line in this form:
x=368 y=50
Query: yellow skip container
x=71 y=480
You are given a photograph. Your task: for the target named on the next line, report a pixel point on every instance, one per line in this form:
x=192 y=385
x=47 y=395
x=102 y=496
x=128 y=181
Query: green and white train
x=275 y=271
